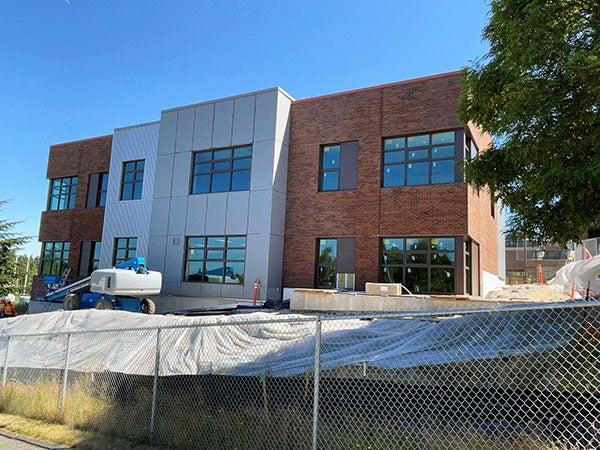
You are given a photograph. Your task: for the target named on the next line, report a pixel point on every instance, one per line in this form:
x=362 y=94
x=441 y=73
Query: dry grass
x=87 y=421
x=64 y=435
x=99 y=421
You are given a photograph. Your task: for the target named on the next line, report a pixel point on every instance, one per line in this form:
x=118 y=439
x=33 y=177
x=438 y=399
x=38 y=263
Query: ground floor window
x=326 y=263
x=215 y=259
x=55 y=257
x=423 y=264
x=125 y=248
x=89 y=257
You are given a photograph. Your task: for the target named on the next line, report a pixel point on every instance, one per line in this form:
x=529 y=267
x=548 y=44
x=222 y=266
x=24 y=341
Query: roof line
x=82 y=140
x=231 y=97
x=381 y=86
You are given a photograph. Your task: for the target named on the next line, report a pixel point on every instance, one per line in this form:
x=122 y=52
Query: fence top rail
x=331 y=317
x=464 y=312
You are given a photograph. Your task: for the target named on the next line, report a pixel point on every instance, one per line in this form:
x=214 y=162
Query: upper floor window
x=133 y=180
x=338 y=166
x=420 y=264
x=422 y=159
x=97 y=189
x=125 y=248
x=55 y=257
x=330 y=168
x=62 y=193
x=102 y=189
x=471 y=150
x=215 y=259
x=221 y=170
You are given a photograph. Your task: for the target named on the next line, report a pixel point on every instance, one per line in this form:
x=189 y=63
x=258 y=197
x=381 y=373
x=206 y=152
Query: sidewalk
x=12 y=441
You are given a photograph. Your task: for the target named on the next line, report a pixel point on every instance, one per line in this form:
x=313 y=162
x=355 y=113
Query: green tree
x=26 y=269
x=537 y=91
x=10 y=242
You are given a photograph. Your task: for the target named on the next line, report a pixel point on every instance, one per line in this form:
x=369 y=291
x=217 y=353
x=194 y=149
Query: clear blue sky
x=71 y=69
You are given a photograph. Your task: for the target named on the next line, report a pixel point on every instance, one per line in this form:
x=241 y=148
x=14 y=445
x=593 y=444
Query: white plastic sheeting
x=582 y=272
x=279 y=349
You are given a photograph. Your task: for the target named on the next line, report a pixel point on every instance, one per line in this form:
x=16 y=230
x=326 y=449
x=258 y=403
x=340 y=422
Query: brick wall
x=78 y=158
x=370 y=211
x=483 y=227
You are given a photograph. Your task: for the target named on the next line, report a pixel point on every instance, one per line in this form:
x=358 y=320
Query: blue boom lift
x=123 y=287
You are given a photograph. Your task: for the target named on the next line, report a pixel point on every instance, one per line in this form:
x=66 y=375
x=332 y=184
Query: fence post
x=315 y=430
x=65 y=379
x=5 y=369
x=154 y=388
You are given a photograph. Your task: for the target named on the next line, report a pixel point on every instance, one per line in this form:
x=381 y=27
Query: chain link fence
x=516 y=377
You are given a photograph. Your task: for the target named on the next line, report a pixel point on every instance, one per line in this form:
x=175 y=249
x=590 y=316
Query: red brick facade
x=78 y=158
x=370 y=212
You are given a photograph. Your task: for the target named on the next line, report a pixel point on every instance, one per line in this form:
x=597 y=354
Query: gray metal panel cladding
x=346 y=255
x=130 y=218
x=348 y=165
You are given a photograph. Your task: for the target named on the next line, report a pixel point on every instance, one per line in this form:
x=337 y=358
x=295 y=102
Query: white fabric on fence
x=279 y=349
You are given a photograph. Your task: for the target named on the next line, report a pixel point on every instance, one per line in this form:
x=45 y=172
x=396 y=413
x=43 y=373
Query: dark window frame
x=95 y=261
x=323 y=171
x=128 y=249
x=102 y=190
x=318 y=263
x=70 y=196
x=458 y=132
x=212 y=161
x=63 y=260
x=204 y=258
x=133 y=182
x=404 y=264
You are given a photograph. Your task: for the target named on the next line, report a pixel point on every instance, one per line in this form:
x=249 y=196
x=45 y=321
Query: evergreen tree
x=10 y=242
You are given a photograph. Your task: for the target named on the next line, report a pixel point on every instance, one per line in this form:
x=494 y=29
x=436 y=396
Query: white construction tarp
x=241 y=347
x=581 y=272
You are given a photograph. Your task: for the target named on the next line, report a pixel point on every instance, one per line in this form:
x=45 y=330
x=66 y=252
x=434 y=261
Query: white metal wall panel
x=129 y=218
x=243 y=120
x=203 y=126
x=222 y=124
x=185 y=130
x=258 y=213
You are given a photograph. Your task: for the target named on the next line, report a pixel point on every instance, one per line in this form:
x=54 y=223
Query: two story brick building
x=335 y=190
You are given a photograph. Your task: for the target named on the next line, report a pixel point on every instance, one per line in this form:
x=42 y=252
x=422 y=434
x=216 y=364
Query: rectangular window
x=330 y=168
x=221 y=170
x=215 y=259
x=95 y=255
x=97 y=188
x=132 y=181
x=417 y=160
x=421 y=264
x=102 y=189
x=62 y=193
x=125 y=248
x=338 y=167
x=55 y=257
x=326 y=263
x=89 y=257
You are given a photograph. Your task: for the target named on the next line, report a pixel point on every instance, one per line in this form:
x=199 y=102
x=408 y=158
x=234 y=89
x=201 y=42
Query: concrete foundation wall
x=328 y=300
